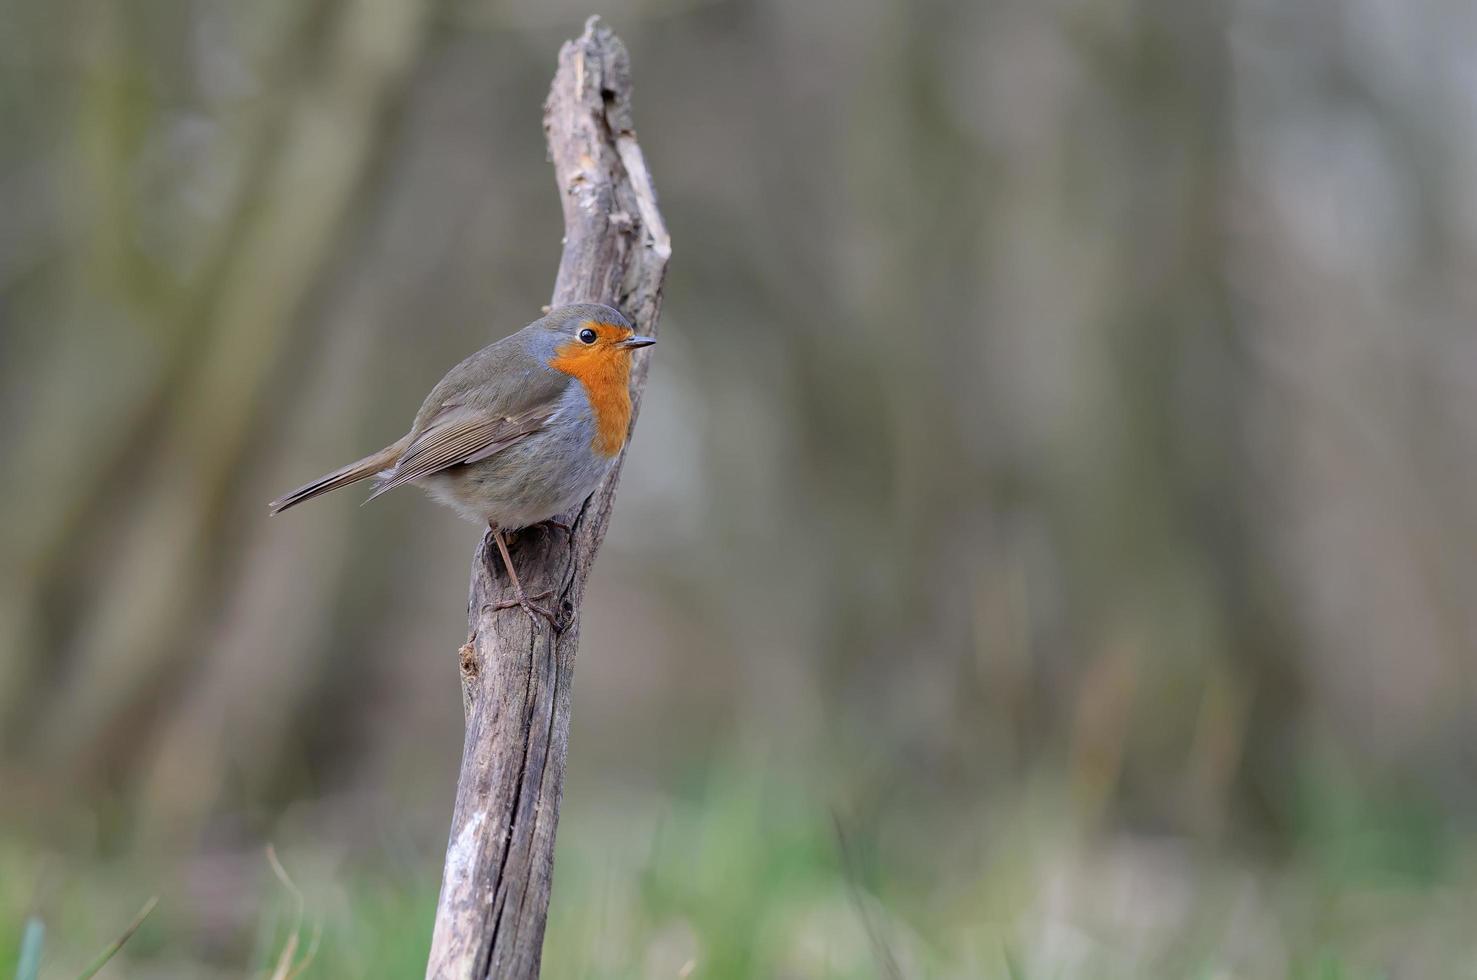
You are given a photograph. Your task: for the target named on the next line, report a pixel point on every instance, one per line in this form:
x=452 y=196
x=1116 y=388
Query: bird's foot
x=528 y=604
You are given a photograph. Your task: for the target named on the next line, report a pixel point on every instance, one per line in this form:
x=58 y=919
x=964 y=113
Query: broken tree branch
x=516 y=672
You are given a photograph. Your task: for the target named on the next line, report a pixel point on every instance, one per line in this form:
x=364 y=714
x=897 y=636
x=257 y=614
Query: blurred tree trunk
x=165 y=567
x=1184 y=497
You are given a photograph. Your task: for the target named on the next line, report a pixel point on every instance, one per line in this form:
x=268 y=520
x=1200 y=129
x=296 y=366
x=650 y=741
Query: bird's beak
x=631 y=343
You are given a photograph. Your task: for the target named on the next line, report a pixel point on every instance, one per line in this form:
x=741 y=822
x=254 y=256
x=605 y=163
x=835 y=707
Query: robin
x=524 y=429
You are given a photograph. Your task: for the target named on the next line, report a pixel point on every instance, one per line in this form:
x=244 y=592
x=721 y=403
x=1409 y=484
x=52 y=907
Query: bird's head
x=588 y=340
x=593 y=344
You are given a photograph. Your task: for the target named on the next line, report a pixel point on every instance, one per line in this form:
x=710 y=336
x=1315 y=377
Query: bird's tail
x=341 y=477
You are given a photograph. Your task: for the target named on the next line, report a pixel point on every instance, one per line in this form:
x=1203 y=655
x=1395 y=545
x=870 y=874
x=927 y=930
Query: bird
x=519 y=432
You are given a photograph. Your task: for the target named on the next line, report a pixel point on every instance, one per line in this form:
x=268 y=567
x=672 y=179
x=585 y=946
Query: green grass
x=743 y=876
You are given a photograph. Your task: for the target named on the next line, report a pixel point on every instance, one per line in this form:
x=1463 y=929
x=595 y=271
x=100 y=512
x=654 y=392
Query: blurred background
x=1048 y=548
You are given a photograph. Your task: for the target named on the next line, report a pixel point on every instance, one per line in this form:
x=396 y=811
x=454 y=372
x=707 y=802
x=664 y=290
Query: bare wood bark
x=516 y=673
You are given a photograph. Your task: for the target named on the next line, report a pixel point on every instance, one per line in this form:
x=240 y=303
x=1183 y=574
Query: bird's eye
x=587 y=336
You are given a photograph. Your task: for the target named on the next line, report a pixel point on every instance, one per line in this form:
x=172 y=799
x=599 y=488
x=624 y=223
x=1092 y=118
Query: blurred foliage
x=1057 y=467
x=738 y=874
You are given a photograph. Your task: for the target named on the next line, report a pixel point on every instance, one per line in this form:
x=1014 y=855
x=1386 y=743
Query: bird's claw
x=527 y=604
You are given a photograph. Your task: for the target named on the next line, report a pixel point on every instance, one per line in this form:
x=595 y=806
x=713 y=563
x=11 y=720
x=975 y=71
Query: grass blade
x=31 y=941
x=117 y=944
x=286 y=969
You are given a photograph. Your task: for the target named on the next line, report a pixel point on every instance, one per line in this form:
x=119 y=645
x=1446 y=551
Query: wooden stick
x=515 y=672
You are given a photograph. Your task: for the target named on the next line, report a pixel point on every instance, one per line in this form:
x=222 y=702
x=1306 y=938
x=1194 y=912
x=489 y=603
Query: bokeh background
x=1048 y=548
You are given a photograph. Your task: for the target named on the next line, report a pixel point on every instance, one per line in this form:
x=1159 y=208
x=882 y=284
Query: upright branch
x=516 y=671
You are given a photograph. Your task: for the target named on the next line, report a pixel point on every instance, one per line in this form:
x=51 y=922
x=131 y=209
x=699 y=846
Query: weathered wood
x=515 y=672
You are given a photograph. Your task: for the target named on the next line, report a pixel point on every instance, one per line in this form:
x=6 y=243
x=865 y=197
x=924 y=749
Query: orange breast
x=605 y=373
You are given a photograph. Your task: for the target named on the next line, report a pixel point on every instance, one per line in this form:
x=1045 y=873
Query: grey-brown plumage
x=518 y=432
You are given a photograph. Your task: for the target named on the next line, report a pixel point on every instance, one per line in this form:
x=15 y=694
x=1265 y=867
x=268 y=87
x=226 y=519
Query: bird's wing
x=459 y=435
